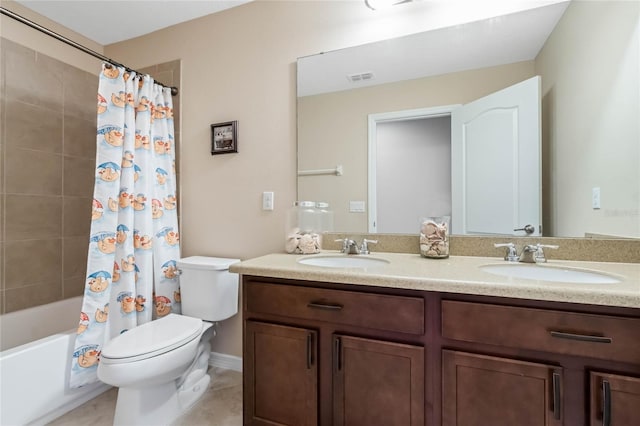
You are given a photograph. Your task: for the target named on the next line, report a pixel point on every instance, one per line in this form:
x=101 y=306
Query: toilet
x=160 y=367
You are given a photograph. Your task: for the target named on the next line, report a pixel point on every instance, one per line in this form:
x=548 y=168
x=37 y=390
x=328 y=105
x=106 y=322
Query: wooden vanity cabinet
x=331 y=357
x=283 y=375
x=615 y=399
x=481 y=390
x=542 y=358
x=332 y=354
x=377 y=382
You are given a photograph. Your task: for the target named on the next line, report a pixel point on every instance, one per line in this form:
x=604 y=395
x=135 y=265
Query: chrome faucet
x=350 y=246
x=531 y=253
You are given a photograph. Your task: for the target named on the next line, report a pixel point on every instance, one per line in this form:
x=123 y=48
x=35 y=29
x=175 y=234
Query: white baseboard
x=228 y=362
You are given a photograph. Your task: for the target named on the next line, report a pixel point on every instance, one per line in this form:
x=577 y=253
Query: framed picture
x=224 y=137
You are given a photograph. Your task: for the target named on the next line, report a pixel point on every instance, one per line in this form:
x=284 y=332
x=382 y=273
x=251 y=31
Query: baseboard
x=225 y=361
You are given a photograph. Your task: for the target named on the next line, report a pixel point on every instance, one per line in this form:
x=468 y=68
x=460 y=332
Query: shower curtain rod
x=10 y=14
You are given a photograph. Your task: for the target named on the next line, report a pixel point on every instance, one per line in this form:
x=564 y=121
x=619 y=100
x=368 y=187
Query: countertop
x=457 y=274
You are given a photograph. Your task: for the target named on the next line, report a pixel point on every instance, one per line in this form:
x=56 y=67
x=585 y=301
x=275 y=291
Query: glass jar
x=301 y=233
x=434 y=237
x=325 y=219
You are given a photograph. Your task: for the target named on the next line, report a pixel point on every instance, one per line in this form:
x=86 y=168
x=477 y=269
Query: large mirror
x=587 y=55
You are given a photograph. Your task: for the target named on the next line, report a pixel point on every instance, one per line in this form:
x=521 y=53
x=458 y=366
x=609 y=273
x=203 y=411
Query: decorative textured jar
x=434 y=237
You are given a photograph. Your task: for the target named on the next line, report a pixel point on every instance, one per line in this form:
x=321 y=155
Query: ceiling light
x=383 y=4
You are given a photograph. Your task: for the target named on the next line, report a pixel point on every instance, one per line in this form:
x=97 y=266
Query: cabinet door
x=280 y=375
x=480 y=390
x=377 y=383
x=614 y=400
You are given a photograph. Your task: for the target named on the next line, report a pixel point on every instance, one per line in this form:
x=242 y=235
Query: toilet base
x=157 y=406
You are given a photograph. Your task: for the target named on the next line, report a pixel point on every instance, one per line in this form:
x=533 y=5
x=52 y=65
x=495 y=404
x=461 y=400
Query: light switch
x=267 y=200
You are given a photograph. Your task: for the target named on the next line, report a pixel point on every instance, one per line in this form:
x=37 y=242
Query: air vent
x=363 y=76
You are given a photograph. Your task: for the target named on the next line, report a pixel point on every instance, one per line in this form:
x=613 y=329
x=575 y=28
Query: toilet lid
x=152 y=339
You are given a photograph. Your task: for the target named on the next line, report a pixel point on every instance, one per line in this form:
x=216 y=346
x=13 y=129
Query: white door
x=495 y=163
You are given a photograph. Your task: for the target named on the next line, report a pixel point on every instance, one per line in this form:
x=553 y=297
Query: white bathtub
x=34 y=387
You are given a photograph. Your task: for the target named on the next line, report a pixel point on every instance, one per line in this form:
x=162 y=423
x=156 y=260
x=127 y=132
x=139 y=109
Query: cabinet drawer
x=590 y=335
x=378 y=311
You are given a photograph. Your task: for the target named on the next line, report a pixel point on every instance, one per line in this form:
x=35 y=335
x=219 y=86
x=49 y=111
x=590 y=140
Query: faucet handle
x=511 y=254
x=364 y=248
x=539 y=256
x=345 y=244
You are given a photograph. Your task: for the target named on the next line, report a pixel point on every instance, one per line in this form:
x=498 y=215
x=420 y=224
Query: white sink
x=550 y=273
x=343 y=261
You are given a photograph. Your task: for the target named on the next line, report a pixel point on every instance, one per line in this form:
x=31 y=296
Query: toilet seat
x=151 y=339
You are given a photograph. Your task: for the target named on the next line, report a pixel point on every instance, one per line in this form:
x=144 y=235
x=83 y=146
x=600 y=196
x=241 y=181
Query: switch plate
x=356 y=206
x=267 y=200
x=595 y=198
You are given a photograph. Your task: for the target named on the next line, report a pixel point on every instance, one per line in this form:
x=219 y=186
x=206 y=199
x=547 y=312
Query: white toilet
x=160 y=367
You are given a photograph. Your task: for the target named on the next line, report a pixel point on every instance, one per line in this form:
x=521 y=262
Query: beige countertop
x=457 y=274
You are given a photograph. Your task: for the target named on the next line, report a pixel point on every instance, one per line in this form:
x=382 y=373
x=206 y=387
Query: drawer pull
x=555 y=378
x=606 y=403
x=325 y=306
x=580 y=337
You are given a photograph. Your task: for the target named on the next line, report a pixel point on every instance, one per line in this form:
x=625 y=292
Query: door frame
x=372 y=138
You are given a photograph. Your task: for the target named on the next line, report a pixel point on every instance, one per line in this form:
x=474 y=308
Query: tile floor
x=221 y=405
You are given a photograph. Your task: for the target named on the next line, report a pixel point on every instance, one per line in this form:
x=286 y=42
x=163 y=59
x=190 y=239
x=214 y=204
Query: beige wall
x=240 y=65
x=592 y=138
x=333 y=129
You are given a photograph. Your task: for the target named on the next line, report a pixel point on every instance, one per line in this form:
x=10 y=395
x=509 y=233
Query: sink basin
x=343 y=261
x=550 y=273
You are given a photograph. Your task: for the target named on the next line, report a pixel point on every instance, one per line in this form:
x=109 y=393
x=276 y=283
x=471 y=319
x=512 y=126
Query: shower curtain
x=134 y=240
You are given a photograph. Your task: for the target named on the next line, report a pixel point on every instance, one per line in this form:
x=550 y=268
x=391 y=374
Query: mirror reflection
x=590 y=138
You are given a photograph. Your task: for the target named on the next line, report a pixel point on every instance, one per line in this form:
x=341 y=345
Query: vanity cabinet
x=377 y=382
x=331 y=357
x=615 y=399
x=321 y=353
x=481 y=390
x=530 y=387
x=284 y=368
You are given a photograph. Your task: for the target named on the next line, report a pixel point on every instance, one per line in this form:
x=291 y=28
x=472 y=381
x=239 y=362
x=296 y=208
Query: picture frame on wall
x=224 y=138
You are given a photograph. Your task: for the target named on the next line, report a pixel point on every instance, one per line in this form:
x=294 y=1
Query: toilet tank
x=207 y=289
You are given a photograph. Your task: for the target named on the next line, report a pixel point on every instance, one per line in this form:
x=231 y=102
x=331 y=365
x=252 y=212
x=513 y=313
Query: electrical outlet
x=356 y=206
x=595 y=198
x=267 y=200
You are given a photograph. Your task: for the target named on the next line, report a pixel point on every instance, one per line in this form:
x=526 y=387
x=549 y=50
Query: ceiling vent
x=363 y=76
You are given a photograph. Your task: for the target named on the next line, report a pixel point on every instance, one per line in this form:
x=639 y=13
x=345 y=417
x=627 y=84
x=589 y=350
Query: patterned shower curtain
x=134 y=240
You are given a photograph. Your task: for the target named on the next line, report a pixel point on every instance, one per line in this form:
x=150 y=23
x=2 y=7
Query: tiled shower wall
x=47 y=145
x=47 y=162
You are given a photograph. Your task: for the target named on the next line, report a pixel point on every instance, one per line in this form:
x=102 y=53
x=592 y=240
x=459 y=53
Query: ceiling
x=84 y=16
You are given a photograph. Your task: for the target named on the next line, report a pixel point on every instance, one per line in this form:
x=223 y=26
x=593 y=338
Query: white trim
x=373 y=120
x=228 y=362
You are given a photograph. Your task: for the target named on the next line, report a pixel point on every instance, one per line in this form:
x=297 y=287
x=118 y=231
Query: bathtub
x=34 y=387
